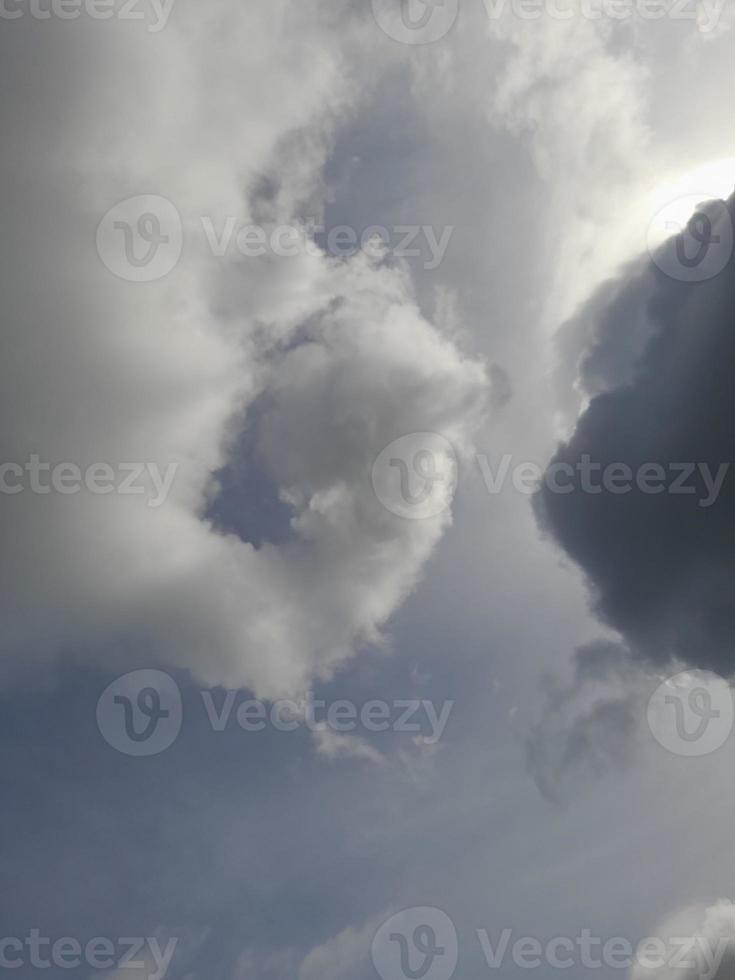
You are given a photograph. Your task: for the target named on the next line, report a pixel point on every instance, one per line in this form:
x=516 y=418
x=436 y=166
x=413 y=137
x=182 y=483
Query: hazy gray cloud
x=588 y=725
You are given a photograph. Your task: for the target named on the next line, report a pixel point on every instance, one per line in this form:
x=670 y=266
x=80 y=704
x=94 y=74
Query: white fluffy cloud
x=106 y=370
x=345 y=955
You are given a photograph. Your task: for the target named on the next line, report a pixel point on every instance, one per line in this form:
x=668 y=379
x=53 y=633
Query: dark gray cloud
x=660 y=565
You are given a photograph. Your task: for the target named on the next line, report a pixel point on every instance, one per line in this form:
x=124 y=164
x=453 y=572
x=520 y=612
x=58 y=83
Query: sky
x=365 y=492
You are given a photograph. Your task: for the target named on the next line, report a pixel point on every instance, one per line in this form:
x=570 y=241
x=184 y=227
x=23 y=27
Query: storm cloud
x=659 y=556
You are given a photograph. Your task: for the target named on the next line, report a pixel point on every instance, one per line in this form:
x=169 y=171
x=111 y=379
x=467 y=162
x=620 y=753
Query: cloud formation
x=700 y=944
x=102 y=369
x=657 y=367
x=588 y=725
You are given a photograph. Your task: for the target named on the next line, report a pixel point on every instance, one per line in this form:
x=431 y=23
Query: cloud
x=346 y=955
x=699 y=943
x=333 y=745
x=108 y=370
x=657 y=364
x=269 y=965
x=588 y=725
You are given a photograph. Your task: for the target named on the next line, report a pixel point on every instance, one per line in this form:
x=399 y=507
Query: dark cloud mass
x=661 y=565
